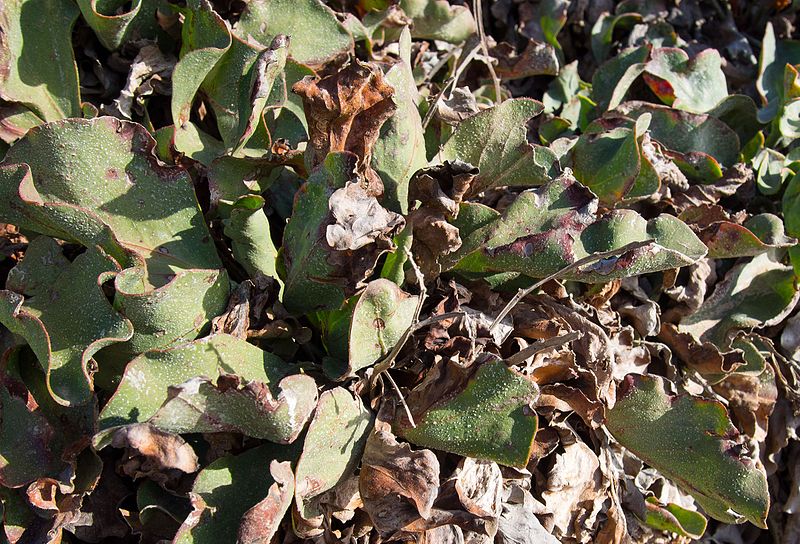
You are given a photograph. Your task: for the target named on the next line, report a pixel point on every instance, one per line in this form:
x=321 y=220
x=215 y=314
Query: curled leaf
x=561 y=227
x=359 y=219
x=259 y=398
x=345 y=113
x=64 y=346
x=398 y=485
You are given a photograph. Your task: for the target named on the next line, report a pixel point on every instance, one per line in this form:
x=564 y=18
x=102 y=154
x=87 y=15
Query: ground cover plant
x=374 y=271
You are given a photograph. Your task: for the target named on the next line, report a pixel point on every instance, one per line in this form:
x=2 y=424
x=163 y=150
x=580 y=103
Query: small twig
x=594 y=257
x=402 y=400
x=554 y=342
x=478 y=8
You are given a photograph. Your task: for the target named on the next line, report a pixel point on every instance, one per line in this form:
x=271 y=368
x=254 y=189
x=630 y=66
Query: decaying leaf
x=398 y=485
x=153 y=453
x=359 y=219
x=223 y=508
x=260 y=523
x=345 y=113
x=435 y=195
x=317 y=275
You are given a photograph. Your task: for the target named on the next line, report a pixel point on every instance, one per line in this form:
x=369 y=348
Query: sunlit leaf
x=691 y=441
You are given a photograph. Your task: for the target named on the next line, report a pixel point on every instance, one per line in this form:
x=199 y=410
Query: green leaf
x=695 y=85
x=740 y=113
x=673 y=518
x=229 y=88
x=546 y=229
x=231 y=178
x=791 y=217
x=490 y=417
x=400 y=148
x=332 y=447
x=612 y=80
x=609 y=161
x=687 y=132
x=26 y=449
x=727 y=239
x=319 y=277
x=308 y=284
x=316 y=34
x=371 y=327
x=438 y=20
x=205 y=39
x=759 y=293
x=37 y=65
x=495 y=141
x=45 y=315
x=38 y=437
x=771 y=170
x=239 y=404
x=216 y=384
x=228 y=488
x=97 y=182
x=692 y=441
x=775 y=55
x=603 y=32
x=251 y=242
x=116 y=21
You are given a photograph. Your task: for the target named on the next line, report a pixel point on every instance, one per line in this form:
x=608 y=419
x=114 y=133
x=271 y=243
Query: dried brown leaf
x=359 y=219
x=152 y=453
x=398 y=485
x=345 y=112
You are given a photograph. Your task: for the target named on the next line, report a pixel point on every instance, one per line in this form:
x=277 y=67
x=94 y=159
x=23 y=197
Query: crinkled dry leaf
x=345 y=113
x=398 y=485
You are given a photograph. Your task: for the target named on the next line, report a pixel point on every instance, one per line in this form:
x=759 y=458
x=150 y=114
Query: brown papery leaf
x=439 y=190
x=345 y=112
x=398 y=485
x=260 y=523
x=152 y=453
x=360 y=219
x=538 y=58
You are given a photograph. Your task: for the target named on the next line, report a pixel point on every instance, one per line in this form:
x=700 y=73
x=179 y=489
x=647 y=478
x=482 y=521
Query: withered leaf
x=359 y=219
x=434 y=196
x=398 y=485
x=152 y=453
x=345 y=112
